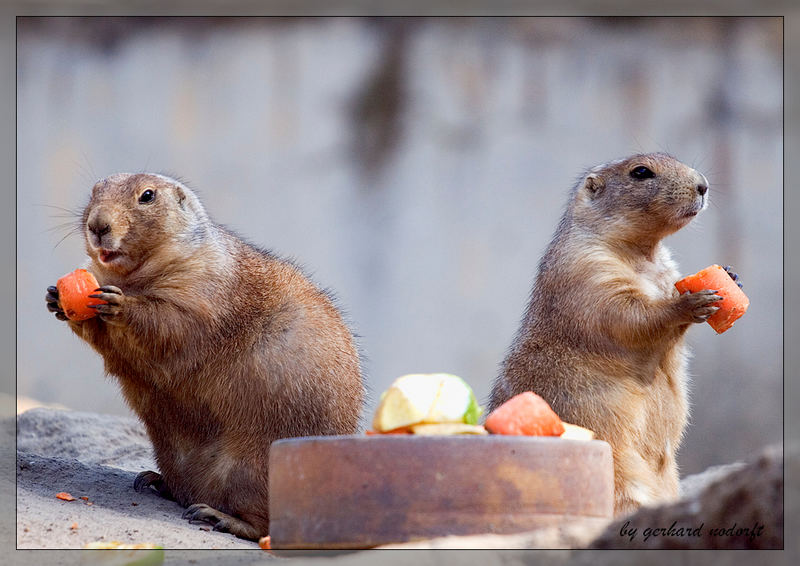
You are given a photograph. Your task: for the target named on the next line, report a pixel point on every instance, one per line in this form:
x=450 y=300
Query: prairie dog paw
x=149 y=480
x=735 y=276
x=53 y=304
x=114 y=303
x=221 y=521
x=699 y=306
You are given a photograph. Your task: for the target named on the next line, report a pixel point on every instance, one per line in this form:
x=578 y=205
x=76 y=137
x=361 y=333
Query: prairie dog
x=219 y=347
x=602 y=339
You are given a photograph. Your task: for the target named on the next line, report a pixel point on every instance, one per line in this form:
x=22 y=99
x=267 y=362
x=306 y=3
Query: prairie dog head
x=643 y=196
x=131 y=218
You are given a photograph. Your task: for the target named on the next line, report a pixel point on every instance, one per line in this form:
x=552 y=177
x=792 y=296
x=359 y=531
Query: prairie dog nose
x=702 y=185
x=99 y=224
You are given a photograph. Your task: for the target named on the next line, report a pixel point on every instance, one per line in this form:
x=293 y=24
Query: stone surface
x=739 y=508
x=359 y=491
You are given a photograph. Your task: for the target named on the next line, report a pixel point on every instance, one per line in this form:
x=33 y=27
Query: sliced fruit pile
x=428 y=403
x=443 y=404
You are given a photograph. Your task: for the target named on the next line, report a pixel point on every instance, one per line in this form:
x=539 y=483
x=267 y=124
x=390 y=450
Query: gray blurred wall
x=416 y=167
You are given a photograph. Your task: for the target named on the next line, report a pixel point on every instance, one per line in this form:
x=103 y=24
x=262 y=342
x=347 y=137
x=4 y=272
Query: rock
x=691 y=486
x=740 y=506
x=95 y=457
x=577 y=534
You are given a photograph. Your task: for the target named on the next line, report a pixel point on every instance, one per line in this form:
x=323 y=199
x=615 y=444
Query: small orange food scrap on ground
x=65 y=496
x=84 y=498
x=73 y=294
x=74 y=527
x=525 y=414
x=265 y=543
x=734 y=302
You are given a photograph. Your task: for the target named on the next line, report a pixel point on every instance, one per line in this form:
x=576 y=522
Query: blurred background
x=418 y=167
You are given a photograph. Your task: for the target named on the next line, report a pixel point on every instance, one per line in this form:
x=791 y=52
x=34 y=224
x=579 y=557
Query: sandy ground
x=95 y=457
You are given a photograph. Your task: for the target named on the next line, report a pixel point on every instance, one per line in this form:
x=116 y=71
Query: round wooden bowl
x=342 y=492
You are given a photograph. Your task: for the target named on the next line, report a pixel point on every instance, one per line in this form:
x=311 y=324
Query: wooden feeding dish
x=344 y=492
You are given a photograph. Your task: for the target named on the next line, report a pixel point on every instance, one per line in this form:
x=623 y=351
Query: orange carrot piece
x=73 y=294
x=265 y=543
x=734 y=302
x=525 y=414
x=65 y=496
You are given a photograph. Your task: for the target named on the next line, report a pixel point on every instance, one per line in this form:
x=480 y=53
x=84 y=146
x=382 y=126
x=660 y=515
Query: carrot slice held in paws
x=734 y=302
x=73 y=294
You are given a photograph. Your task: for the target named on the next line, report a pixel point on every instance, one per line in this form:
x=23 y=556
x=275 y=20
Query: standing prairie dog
x=219 y=347
x=602 y=339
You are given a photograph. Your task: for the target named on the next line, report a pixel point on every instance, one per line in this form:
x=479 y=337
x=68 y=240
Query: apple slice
x=426 y=398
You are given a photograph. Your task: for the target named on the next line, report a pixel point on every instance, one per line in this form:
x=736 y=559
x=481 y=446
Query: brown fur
x=602 y=337
x=220 y=348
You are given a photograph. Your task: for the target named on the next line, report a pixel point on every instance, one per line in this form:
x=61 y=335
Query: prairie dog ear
x=189 y=203
x=594 y=184
x=181 y=195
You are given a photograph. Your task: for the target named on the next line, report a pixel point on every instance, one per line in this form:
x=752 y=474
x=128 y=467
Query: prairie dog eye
x=147 y=196
x=642 y=172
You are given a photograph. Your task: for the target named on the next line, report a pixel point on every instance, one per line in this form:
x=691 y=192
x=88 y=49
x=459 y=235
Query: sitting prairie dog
x=602 y=339
x=219 y=347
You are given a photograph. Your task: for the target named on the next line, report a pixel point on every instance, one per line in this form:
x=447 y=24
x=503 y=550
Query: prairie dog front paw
x=114 y=299
x=699 y=306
